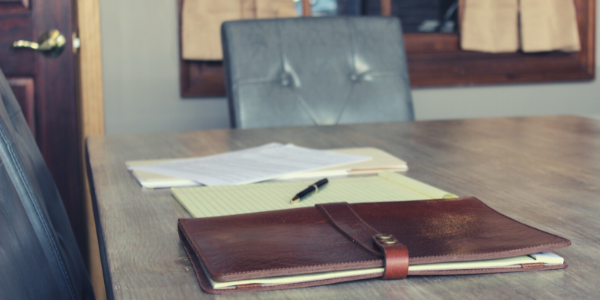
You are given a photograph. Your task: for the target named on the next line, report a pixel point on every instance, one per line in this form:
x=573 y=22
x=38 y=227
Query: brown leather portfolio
x=338 y=242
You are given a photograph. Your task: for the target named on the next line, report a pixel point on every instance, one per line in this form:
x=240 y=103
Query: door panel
x=50 y=82
x=14 y=4
x=15 y=24
x=23 y=90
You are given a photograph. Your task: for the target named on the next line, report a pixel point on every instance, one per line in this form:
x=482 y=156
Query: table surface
x=543 y=171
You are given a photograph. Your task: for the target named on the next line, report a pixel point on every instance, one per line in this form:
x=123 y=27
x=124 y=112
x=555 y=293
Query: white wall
x=141 y=71
x=581 y=98
x=141 y=81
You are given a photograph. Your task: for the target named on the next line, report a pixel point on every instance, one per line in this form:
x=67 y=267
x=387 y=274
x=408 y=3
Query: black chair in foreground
x=39 y=257
x=315 y=71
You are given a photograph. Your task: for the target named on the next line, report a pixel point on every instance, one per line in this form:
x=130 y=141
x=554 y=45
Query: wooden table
x=544 y=171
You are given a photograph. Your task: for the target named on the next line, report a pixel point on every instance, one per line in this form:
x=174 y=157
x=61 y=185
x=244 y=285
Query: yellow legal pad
x=212 y=201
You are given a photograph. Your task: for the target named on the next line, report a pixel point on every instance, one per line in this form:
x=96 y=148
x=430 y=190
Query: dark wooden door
x=45 y=88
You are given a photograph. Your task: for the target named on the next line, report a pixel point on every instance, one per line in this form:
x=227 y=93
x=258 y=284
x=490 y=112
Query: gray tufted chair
x=315 y=71
x=39 y=258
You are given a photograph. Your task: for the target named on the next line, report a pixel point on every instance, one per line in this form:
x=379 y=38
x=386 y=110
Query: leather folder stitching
x=532 y=249
x=324 y=210
x=384 y=215
x=524 y=224
x=299 y=268
x=278 y=269
x=464 y=256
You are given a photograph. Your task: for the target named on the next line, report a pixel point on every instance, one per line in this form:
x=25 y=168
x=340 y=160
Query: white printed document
x=251 y=165
x=380 y=161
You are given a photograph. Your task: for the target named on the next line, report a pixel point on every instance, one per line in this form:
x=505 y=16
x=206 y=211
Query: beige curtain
x=493 y=25
x=490 y=26
x=548 y=25
x=202 y=19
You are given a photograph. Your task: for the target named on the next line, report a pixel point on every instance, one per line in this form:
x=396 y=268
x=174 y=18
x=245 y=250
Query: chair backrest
x=39 y=257
x=315 y=71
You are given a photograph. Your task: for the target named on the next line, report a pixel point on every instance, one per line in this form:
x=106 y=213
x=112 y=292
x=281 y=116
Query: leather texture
x=346 y=220
x=304 y=240
x=395 y=254
x=350 y=224
x=315 y=71
x=39 y=257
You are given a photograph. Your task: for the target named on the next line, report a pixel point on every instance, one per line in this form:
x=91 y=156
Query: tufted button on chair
x=315 y=71
x=39 y=258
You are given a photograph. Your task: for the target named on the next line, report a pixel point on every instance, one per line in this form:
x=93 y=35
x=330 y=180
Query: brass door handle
x=51 y=43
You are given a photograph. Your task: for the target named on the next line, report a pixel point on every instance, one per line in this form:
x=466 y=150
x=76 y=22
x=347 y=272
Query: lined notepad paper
x=211 y=201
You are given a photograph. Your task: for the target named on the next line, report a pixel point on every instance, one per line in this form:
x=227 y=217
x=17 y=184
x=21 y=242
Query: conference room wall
x=141 y=81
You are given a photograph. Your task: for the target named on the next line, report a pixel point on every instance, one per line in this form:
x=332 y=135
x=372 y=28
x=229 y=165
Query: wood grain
x=14 y=5
x=23 y=88
x=55 y=103
x=24 y=3
x=91 y=119
x=57 y=129
x=542 y=171
x=16 y=24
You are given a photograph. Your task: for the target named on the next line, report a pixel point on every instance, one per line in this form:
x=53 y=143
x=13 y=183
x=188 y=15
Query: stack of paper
x=546 y=258
x=153 y=174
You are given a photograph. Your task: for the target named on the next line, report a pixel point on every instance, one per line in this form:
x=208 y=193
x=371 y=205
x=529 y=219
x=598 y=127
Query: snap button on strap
x=395 y=259
x=394 y=253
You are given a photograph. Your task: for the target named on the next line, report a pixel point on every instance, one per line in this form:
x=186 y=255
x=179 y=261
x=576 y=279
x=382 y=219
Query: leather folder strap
x=395 y=256
x=354 y=227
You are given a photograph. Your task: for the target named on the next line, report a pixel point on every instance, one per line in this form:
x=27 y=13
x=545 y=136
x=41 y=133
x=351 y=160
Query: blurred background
x=140 y=56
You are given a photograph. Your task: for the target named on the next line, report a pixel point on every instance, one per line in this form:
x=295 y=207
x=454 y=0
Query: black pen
x=315 y=187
